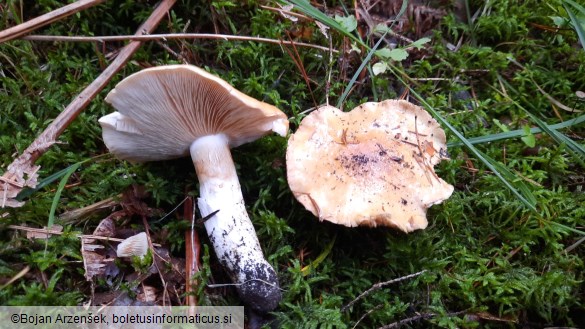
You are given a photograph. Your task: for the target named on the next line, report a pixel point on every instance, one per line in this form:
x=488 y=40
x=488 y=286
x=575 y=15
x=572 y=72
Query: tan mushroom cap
x=162 y=110
x=371 y=166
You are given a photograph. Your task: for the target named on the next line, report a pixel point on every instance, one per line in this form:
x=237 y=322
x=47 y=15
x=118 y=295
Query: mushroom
x=371 y=166
x=136 y=245
x=170 y=111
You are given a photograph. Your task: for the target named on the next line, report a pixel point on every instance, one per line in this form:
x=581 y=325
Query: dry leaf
x=284 y=14
x=93 y=263
x=96 y=259
x=323 y=28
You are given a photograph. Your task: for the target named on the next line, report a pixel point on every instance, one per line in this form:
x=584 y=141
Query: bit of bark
x=22 y=172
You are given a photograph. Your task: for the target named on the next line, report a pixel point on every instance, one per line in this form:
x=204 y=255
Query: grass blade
x=357 y=72
x=60 y=188
x=518 y=132
x=576 y=5
x=568 y=228
x=509 y=179
x=306 y=8
x=25 y=193
x=577 y=150
x=46 y=181
x=575 y=21
x=307 y=269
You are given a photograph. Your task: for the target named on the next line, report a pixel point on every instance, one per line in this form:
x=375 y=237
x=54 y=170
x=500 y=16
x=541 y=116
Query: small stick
x=377 y=307
x=379 y=286
x=55 y=232
x=283 y=11
x=419 y=317
x=154 y=262
x=24 y=164
x=192 y=250
x=298 y=62
x=18 y=275
x=48 y=18
x=150 y=37
x=398 y=324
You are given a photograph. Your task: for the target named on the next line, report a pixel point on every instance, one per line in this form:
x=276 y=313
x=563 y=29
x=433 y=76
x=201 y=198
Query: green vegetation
x=506 y=250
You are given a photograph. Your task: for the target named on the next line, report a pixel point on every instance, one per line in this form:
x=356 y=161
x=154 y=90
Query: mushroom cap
x=371 y=166
x=136 y=245
x=162 y=110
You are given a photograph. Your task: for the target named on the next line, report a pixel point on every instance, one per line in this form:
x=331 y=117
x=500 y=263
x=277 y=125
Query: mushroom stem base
x=230 y=230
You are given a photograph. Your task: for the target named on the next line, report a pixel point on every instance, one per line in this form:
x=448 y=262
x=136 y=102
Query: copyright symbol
x=15 y=318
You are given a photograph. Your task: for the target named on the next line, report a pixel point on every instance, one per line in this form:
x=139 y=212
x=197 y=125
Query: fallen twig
x=398 y=324
x=380 y=285
x=419 y=317
x=379 y=306
x=48 y=18
x=58 y=232
x=156 y=256
x=15 y=278
x=575 y=245
x=192 y=253
x=284 y=12
x=151 y=37
x=547 y=95
x=85 y=211
x=14 y=179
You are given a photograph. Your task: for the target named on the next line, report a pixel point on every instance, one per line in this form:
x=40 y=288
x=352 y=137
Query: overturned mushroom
x=170 y=111
x=136 y=245
x=371 y=166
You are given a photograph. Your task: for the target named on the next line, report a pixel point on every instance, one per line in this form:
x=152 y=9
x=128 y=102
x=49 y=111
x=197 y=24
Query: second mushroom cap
x=371 y=166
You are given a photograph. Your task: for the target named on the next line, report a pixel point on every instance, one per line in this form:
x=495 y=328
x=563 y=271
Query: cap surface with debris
x=372 y=166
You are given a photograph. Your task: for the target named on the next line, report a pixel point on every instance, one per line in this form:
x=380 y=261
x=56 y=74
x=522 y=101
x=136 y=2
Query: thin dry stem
x=57 y=232
x=419 y=317
x=285 y=12
x=155 y=263
x=377 y=307
x=402 y=322
x=299 y=63
x=15 y=278
x=151 y=37
x=192 y=248
x=379 y=286
x=48 y=18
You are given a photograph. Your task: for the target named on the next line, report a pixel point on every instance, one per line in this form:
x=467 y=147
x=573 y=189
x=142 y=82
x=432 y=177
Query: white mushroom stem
x=230 y=230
